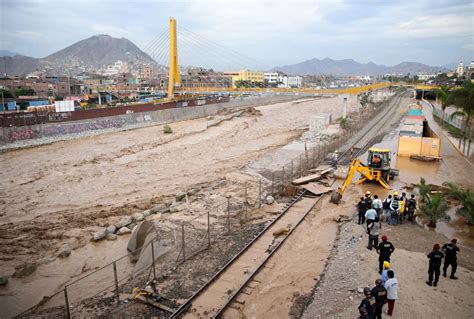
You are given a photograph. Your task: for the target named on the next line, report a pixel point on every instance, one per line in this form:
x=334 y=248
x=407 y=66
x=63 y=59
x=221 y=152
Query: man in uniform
x=435 y=257
x=450 y=250
x=385 y=250
x=411 y=207
x=380 y=294
x=368 y=303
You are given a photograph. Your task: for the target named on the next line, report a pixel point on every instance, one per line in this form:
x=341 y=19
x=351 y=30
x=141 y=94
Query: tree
x=25 y=92
x=463 y=99
x=466 y=198
x=6 y=94
x=435 y=210
x=442 y=94
x=425 y=190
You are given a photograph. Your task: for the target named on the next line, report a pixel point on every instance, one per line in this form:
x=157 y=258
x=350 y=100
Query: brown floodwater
x=452 y=168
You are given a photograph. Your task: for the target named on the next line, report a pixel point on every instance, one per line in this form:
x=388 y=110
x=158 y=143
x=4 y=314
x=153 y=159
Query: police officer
x=385 y=250
x=380 y=294
x=435 y=257
x=450 y=250
x=368 y=303
x=368 y=200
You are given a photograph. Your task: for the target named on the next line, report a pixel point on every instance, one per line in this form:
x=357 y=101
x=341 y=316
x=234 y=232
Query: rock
x=138 y=217
x=162 y=208
x=280 y=232
x=25 y=270
x=360 y=290
x=124 y=230
x=100 y=234
x=269 y=200
x=111 y=237
x=132 y=226
x=175 y=207
x=125 y=221
x=193 y=191
x=3 y=281
x=111 y=229
x=180 y=196
x=147 y=213
x=64 y=253
x=351 y=298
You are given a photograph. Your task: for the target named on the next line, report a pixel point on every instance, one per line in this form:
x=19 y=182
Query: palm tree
x=442 y=94
x=437 y=209
x=463 y=99
x=466 y=198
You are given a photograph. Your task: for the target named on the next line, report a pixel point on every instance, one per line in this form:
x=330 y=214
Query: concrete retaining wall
x=29 y=132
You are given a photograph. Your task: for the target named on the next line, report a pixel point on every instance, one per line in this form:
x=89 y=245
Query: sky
x=274 y=33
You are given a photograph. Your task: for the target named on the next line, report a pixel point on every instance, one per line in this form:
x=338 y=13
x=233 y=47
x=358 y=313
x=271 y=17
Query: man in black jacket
x=435 y=256
x=380 y=294
x=368 y=303
x=450 y=250
x=385 y=250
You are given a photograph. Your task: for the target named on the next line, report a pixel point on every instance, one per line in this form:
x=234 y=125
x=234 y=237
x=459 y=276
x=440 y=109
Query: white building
x=116 y=68
x=460 y=69
x=425 y=77
x=272 y=77
x=294 y=81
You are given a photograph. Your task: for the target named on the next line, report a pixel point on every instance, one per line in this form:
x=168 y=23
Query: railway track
x=237 y=276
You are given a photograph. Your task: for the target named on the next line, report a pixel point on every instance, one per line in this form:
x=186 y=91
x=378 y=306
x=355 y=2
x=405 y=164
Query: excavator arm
x=366 y=174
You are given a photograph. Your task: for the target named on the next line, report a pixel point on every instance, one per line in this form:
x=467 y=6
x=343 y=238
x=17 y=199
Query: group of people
x=395 y=208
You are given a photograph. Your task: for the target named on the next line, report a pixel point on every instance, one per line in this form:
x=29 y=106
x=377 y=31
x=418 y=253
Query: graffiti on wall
x=82 y=127
x=23 y=134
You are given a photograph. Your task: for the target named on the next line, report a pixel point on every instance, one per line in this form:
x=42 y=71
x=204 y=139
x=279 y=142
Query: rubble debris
x=138 y=217
x=269 y=200
x=3 y=281
x=111 y=237
x=64 y=253
x=317 y=189
x=100 y=234
x=124 y=230
x=111 y=229
x=312 y=177
x=25 y=270
x=180 y=196
x=281 y=232
x=125 y=221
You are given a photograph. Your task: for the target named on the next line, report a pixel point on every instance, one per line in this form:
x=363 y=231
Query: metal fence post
x=273 y=179
x=283 y=179
x=116 y=282
x=153 y=259
x=183 y=241
x=66 y=301
x=208 y=230
x=314 y=157
x=228 y=215
x=259 y=193
x=301 y=165
x=291 y=170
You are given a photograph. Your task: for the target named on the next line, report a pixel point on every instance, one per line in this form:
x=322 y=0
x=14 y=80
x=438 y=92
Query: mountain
x=87 y=55
x=19 y=65
x=100 y=50
x=7 y=53
x=349 y=67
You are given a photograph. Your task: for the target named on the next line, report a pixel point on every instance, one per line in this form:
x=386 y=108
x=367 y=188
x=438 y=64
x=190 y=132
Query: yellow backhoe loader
x=378 y=169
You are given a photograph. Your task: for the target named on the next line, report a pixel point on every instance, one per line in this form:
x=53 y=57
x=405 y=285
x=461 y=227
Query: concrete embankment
x=30 y=135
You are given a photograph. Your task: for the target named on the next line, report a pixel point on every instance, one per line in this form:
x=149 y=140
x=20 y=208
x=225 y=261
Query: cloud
x=28 y=34
x=433 y=26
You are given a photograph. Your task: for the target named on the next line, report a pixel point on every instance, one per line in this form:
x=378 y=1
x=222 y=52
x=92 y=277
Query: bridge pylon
x=173 y=66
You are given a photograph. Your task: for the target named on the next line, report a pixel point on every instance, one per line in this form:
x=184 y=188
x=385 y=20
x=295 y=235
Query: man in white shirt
x=377 y=205
x=370 y=215
x=392 y=291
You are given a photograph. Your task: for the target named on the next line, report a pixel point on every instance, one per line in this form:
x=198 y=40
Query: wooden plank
x=317 y=189
x=155 y=304
x=311 y=178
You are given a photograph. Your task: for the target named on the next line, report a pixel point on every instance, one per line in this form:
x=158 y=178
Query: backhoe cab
x=377 y=169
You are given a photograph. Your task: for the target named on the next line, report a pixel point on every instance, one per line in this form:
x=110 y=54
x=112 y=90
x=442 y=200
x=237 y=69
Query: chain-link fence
x=175 y=242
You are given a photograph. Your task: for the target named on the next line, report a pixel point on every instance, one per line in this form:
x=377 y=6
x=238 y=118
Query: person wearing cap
x=411 y=207
x=385 y=250
x=368 y=303
x=450 y=249
x=380 y=294
x=386 y=268
x=361 y=208
x=435 y=256
x=392 y=291
x=394 y=209
x=368 y=200
x=374 y=233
